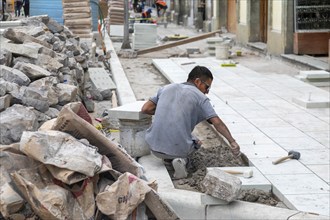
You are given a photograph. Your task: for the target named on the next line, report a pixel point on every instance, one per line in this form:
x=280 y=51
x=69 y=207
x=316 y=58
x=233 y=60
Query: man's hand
x=235 y=149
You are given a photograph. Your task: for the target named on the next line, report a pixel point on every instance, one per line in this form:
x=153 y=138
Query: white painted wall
x=276 y=15
x=243 y=11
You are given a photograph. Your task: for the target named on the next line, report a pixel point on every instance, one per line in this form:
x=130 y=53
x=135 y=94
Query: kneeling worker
x=146 y=16
x=177 y=109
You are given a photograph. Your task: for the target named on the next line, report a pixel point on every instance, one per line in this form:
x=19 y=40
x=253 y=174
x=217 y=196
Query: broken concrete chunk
x=14 y=75
x=15 y=120
x=6 y=57
x=49 y=63
x=21 y=37
x=34 y=97
x=66 y=93
x=32 y=71
x=28 y=49
x=5 y=102
x=54 y=26
x=221 y=185
x=10 y=200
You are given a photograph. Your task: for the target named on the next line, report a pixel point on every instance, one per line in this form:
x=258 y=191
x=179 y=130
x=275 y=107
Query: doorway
x=231 y=16
x=263 y=20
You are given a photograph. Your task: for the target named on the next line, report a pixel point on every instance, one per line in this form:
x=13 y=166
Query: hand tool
x=246 y=173
x=291 y=155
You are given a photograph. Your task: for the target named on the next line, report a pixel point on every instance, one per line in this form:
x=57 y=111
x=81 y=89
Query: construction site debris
x=221 y=185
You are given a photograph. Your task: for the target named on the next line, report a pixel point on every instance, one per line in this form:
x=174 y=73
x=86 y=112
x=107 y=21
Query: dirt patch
x=215 y=153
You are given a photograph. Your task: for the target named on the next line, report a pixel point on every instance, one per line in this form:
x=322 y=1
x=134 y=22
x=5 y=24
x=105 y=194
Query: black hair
x=199 y=72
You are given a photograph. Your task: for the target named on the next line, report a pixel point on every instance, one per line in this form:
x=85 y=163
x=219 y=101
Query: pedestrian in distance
x=26 y=5
x=177 y=109
x=146 y=16
x=18 y=6
x=161 y=7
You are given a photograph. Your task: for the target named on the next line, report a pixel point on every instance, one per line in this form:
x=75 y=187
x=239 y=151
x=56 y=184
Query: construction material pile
x=54 y=164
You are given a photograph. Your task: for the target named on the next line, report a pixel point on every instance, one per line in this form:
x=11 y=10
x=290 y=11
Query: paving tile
x=288 y=131
x=306 y=142
x=251 y=114
x=316 y=203
x=263 y=150
x=236 y=128
x=290 y=184
x=268 y=122
x=315 y=156
x=322 y=171
x=289 y=166
x=312 y=126
x=252 y=138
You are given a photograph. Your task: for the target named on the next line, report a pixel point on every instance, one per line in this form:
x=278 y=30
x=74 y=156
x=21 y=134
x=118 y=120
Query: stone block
x=102 y=81
x=14 y=75
x=315 y=74
x=131 y=111
x=312 y=103
x=27 y=49
x=221 y=185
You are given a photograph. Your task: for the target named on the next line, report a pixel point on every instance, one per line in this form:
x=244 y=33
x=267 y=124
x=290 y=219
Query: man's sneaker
x=180 y=170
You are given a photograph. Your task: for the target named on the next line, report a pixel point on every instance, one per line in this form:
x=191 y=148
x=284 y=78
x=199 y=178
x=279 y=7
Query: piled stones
x=43 y=66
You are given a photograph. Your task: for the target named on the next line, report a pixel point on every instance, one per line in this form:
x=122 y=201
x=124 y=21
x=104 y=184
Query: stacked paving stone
x=116 y=12
x=77 y=17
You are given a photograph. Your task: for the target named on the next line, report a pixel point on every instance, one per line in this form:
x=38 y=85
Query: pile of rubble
x=54 y=164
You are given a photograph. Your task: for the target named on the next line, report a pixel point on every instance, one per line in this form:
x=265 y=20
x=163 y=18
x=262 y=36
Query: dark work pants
x=27 y=10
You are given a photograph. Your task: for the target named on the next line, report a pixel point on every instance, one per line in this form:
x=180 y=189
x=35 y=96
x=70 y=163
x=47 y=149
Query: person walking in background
x=161 y=6
x=18 y=7
x=26 y=5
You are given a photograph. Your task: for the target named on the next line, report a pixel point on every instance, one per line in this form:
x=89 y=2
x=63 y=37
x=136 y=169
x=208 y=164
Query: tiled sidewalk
x=260 y=113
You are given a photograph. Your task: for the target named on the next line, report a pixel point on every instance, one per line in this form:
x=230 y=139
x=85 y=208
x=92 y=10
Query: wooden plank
x=177 y=43
x=302 y=43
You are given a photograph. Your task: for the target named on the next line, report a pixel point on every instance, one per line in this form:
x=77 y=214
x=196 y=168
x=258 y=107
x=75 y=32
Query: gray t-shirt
x=179 y=108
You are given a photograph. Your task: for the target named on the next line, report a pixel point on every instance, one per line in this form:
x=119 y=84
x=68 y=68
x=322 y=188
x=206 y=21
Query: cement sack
x=71 y=120
x=48 y=200
x=70 y=177
x=61 y=150
x=11 y=160
x=122 y=197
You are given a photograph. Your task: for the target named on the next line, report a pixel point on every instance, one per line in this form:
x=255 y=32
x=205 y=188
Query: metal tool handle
x=233 y=172
x=281 y=159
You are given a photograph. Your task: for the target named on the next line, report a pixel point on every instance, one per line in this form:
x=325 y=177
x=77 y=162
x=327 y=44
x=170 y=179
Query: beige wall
x=276 y=15
x=242 y=12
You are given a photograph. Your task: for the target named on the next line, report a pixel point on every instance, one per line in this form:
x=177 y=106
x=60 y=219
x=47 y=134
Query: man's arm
x=149 y=108
x=222 y=129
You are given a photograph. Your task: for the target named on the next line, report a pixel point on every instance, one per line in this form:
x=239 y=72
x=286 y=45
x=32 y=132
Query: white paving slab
x=242 y=96
x=315 y=203
x=130 y=111
x=289 y=166
x=321 y=171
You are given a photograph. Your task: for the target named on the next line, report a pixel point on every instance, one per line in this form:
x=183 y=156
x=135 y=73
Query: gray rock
x=8 y=87
x=21 y=37
x=52 y=112
x=47 y=86
x=14 y=75
x=84 y=46
x=24 y=60
x=31 y=96
x=49 y=63
x=67 y=32
x=5 y=102
x=66 y=93
x=220 y=184
x=54 y=26
x=15 y=120
x=6 y=57
x=30 y=50
x=58 y=46
x=32 y=71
